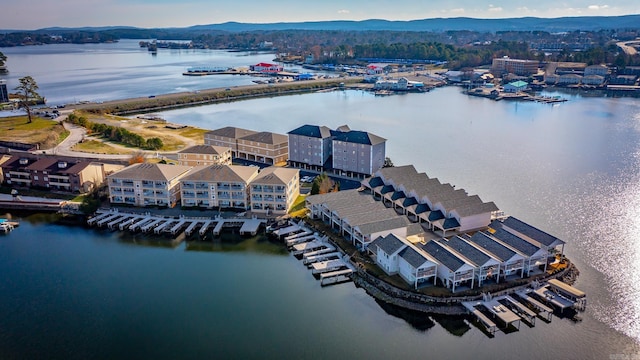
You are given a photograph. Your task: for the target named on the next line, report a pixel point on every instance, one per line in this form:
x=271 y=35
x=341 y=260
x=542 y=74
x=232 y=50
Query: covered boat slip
x=554 y=299
x=545 y=312
x=314 y=245
x=569 y=292
x=114 y=219
x=489 y=325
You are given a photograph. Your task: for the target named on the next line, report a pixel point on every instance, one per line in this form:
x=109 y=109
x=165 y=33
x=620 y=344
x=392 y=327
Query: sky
x=37 y=14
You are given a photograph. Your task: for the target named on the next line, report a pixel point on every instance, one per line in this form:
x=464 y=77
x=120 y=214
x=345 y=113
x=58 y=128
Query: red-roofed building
x=266 y=68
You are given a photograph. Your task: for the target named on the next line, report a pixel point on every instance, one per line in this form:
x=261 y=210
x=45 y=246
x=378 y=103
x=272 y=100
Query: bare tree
x=28 y=94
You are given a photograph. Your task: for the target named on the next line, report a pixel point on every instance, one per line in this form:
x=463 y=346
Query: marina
x=113 y=219
x=322 y=258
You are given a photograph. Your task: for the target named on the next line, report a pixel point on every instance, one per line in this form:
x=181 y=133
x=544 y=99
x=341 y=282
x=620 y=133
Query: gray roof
x=516 y=242
x=532 y=232
x=267 y=137
x=205 y=149
x=389 y=244
x=275 y=175
x=477 y=257
x=367 y=215
x=223 y=173
x=384 y=225
x=312 y=131
x=443 y=255
x=231 y=132
x=397 y=172
x=484 y=241
x=414 y=258
x=340 y=197
x=152 y=172
x=358 y=137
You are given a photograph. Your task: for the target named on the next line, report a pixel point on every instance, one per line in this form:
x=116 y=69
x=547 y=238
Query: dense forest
x=461 y=48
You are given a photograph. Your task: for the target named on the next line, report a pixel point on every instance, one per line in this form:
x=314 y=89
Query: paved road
x=627 y=48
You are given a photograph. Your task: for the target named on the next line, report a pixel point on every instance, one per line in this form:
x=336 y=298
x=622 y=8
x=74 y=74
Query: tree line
x=117 y=134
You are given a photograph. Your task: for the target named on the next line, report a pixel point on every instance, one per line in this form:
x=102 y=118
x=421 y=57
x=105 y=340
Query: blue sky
x=35 y=14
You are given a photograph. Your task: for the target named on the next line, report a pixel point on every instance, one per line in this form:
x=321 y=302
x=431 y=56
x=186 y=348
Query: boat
x=7 y=226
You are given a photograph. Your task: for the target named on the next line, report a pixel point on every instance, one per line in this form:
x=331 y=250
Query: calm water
x=571 y=169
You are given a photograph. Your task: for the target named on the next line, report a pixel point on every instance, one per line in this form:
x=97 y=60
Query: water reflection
x=418 y=320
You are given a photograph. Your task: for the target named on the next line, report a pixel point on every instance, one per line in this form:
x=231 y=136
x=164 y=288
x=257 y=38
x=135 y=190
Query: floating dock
x=335 y=277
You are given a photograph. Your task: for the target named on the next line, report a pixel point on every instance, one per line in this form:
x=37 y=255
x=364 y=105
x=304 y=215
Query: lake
x=571 y=169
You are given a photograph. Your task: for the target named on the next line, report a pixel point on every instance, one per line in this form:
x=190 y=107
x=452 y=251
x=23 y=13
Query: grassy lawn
x=298 y=209
x=192 y=133
x=99 y=147
x=39 y=193
x=39 y=131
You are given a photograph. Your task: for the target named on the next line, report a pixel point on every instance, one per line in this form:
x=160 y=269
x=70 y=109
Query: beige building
x=205 y=155
x=225 y=186
x=57 y=174
x=263 y=147
x=147 y=184
x=274 y=190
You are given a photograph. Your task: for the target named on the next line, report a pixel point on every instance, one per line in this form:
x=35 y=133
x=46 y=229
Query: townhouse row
x=272 y=190
x=414 y=226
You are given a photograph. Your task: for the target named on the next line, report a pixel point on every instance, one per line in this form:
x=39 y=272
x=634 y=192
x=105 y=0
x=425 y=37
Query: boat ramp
x=113 y=219
x=325 y=261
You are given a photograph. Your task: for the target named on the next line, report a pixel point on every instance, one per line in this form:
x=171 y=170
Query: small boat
x=6 y=226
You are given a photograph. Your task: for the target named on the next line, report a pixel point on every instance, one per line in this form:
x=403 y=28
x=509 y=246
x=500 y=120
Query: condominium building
x=342 y=151
x=357 y=153
x=205 y=155
x=274 y=190
x=147 y=184
x=310 y=147
x=263 y=147
x=224 y=186
x=54 y=173
x=506 y=65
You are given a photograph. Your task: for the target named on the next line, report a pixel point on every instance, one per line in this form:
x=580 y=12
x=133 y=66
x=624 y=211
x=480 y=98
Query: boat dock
x=305 y=247
x=489 y=325
x=544 y=311
x=318 y=254
x=173 y=226
x=335 y=277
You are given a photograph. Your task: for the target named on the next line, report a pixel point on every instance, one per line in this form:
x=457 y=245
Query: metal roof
x=516 y=242
x=477 y=257
x=532 y=232
x=483 y=240
x=445 y=257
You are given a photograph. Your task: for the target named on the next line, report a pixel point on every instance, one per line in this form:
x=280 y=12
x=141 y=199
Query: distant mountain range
x=585 y=23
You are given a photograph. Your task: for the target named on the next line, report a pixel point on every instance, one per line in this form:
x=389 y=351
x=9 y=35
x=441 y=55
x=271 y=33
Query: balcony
x=188 y=186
